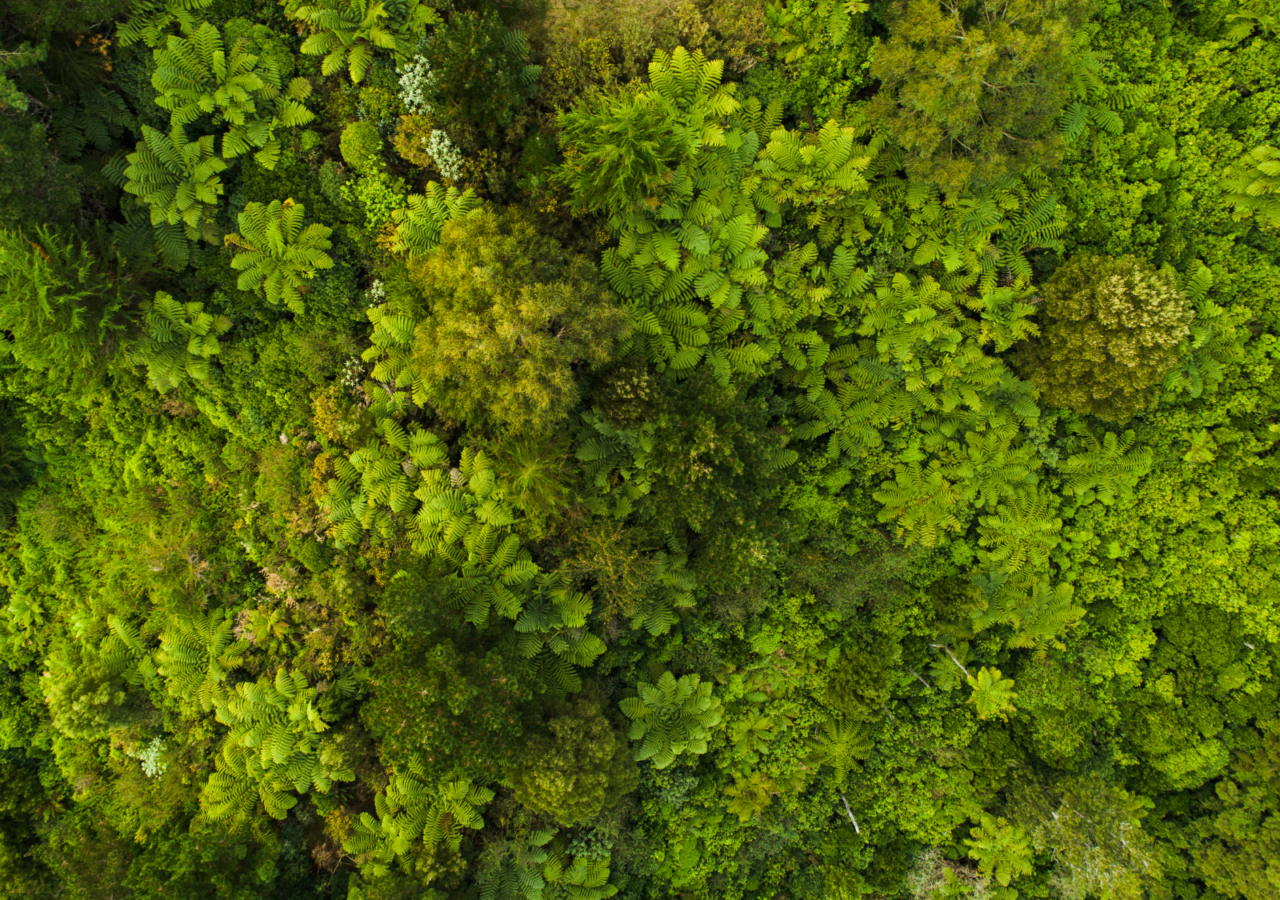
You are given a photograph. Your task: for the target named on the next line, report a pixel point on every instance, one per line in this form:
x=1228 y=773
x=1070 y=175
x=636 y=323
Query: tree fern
x=125 y=654
x=844 y=742
x=671 y=717
x=1002 y=850
x=195 y=76
x=553 y=623
x=178 y=340
x=923 y=503
x=1023 y=530
x=416 y=227
x=277 y=255
x=149 y=20
x=1044 y=616
x=697 y=234
x=669 y=589
x=1252 y=185
x=348 y=32
x=1107 y=470
x=178 y=180
x=197 y=653
x=411 y=810
x=993 y=694
x=274 y=742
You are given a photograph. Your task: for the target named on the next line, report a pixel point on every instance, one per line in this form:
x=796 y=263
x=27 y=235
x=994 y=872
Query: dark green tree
x=478 y=71
x=858 y=688
x=1240 y=856
x=449 y=707
x=60 y=305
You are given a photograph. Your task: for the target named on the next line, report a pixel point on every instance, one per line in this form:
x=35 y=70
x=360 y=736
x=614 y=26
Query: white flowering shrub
x=416 y=82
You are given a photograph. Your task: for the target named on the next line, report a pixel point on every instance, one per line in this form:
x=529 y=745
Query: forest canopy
x=652 y=449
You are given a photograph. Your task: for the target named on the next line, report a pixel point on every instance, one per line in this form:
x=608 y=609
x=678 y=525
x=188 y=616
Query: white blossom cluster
x=416 y=80
x=152 y=765
x=445 y=155
x=352 y=373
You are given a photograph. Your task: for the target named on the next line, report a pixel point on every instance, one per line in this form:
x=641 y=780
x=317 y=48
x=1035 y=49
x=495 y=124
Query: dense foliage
x=644 y=449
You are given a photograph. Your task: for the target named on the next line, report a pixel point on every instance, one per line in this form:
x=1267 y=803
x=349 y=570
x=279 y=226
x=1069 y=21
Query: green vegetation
x=646 y=449
x=1112 y=329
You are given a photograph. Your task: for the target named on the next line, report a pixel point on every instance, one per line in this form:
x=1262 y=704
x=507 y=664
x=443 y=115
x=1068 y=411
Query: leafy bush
x=361 y=147
x=972 y=89
x=58 y=304
x=1112 y=328
x=582 y=766
x=511 y=313
x=478 y=71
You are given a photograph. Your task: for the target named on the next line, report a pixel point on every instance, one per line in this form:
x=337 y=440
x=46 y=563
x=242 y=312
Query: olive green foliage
x=434 y=706
x=276 y=254
x=511 y=313
x=1094 y=832
x=478 y=71
x=973 y=90
x=577 y=769
x=672 y=717
x=857 y=689
x=538 y=479
x=86 y=700
x=1111 y=329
